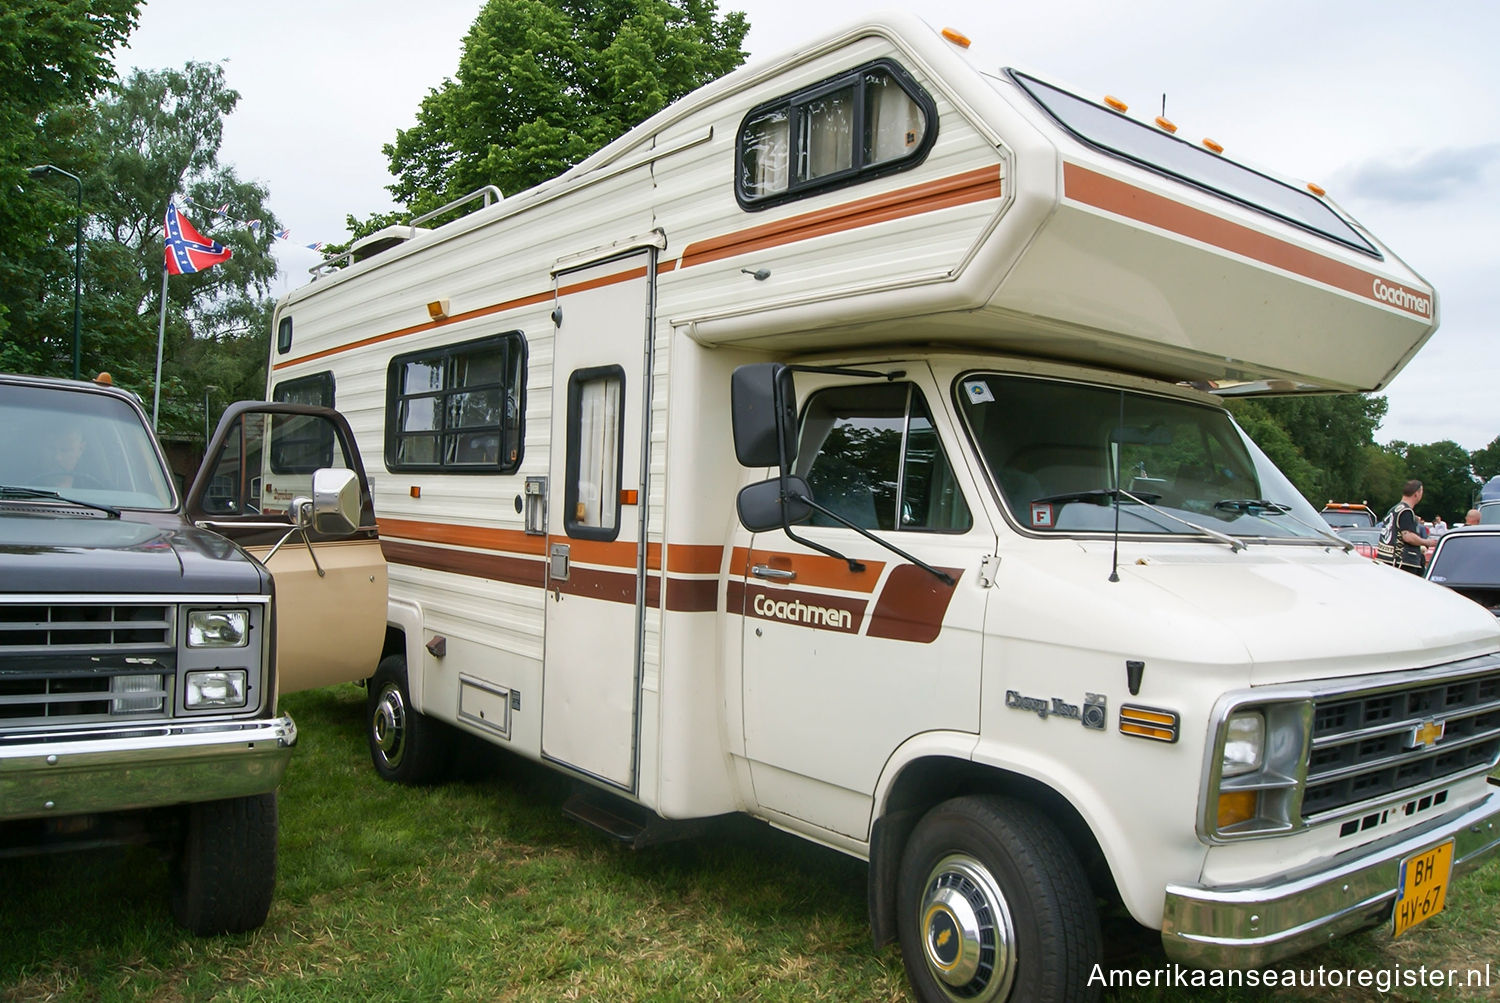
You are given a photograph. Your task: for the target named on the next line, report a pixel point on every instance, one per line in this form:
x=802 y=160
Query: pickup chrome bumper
x=1253 y=926
x=146 y=767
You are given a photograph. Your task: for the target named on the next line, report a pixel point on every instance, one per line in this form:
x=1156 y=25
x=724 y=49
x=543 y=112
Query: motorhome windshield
x=1125 y=137
x=1052 y=448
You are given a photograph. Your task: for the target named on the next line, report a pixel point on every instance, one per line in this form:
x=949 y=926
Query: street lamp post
x=41 y=171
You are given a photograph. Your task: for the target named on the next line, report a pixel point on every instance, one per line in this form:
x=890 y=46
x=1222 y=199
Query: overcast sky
x=1393 y=107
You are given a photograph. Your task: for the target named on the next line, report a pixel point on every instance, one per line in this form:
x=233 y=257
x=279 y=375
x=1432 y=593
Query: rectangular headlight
x=1244 y=744
x=215 y=688
x=218 y=628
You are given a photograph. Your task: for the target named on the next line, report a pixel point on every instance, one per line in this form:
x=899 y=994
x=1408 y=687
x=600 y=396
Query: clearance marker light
x=1149 y=722
x=958 y=38
x=1316 y=189
x=1213 y=146
x=1163 y=124
x=1116 y=104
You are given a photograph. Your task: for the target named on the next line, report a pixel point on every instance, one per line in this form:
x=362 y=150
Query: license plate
x=1422 y=888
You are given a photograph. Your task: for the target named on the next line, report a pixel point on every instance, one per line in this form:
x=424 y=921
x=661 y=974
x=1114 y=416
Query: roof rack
x=387 y=237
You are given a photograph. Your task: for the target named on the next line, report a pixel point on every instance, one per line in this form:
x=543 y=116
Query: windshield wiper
x=1099 y=496
x=12 y=492
x=1261 y=507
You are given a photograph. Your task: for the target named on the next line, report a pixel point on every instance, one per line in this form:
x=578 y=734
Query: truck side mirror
x=763 y=405
x=335 y=501
x=760 y=505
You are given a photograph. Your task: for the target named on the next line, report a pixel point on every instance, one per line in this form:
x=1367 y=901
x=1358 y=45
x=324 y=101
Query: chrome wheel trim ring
x=968 y=938
x=388 y=726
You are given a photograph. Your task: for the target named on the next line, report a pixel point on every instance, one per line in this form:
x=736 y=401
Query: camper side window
x=861 y=124
x=457 y=408
x=872 y=455
x=316 y=389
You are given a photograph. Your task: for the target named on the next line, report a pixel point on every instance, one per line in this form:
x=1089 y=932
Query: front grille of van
x=78 y=663
x=1383 y=743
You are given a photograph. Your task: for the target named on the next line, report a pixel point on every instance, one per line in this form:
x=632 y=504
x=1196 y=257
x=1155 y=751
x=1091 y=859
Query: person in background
x=1410 y=544
x=1439 y=527
x=1471 y=517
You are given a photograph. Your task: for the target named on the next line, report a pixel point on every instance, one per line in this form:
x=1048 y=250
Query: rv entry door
x=596 y=568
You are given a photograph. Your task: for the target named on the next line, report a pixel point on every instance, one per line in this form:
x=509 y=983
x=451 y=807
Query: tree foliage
x=1486 y=461
x=54 y=56
x=542 y=84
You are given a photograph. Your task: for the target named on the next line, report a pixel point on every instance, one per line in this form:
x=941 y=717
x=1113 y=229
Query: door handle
x=772 y=574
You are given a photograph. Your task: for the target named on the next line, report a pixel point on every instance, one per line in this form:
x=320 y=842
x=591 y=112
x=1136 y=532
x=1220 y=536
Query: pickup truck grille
x=75 y=663
x=1383 y=743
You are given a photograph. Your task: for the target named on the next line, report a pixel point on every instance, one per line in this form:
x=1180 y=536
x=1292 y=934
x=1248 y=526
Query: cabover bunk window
x=867 y=122
x=457 y=408
x=316 y=389
x=1114 y=133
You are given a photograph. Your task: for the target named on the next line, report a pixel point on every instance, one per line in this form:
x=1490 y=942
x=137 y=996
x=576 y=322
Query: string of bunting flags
x=222 y=211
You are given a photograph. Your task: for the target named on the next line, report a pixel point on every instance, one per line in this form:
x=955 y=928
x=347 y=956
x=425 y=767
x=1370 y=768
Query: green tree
x=1486 y=461
x=542 y=84
x=156 y=135
x=1384 y=473
x=1261 y=425
x=1443 y=469
x=53 y=57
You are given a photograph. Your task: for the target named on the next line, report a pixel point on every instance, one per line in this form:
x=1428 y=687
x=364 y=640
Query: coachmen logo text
x=1402 y=297
x=798 y=611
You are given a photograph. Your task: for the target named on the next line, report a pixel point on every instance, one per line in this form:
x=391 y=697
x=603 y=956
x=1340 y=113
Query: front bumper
x=147 y=767
x=1250 y=927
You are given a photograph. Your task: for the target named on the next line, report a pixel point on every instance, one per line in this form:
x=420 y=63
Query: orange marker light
x=416 y=491
x=1316 y=189
x=1116 y=104
x=958 y=38
x=1213 y=146
x=1164 y=124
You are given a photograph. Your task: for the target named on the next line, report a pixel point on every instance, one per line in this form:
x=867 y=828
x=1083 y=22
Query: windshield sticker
x=1091 y=715
x=978 y=392
x=1041 y=515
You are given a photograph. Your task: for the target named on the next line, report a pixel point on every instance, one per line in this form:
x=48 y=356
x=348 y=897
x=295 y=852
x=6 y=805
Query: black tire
x=993 y=905
x=224 y=868
x=406 y=746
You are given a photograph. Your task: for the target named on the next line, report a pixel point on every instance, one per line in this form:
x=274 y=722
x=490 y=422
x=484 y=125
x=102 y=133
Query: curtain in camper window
x=896 y=122
x=595 y=430
x=766 y=145
x=827 y=136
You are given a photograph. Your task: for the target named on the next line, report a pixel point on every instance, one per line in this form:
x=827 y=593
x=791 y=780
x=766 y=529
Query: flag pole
x=161 y=330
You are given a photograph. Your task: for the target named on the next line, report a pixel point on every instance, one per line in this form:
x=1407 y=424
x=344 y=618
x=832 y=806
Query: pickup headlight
x=1260 y=752
x=218 y=628
x=215 y=688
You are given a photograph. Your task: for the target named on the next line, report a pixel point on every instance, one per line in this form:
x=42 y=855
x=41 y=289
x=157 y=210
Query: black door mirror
x=760 y=505
x=763 y=404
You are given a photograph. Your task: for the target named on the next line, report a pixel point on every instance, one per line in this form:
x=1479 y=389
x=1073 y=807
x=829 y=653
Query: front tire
x=406 y=746
x=224 y=868
x=993 y=906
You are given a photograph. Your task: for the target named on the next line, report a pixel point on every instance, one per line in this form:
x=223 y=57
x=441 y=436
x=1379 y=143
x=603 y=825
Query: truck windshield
x=1052 y=449
x=84 y=446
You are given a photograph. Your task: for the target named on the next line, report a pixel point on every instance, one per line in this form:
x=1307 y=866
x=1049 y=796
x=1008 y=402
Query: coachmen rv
x=844 y=446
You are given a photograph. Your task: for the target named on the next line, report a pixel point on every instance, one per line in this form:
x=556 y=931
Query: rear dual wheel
x=993 y=906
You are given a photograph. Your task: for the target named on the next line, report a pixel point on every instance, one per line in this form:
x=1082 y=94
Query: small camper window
x=457 y=408
x=596 y=445
x=867 y=122
x=316 y=389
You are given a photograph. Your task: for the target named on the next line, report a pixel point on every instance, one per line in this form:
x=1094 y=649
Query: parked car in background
x=1364 y=539
x=1469 y=564
x=1347 y=515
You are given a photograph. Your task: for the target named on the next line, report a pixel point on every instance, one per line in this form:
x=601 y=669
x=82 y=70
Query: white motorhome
x=1004 y=602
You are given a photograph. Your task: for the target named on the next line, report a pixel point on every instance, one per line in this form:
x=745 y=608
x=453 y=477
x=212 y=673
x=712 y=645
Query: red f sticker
x=1041 y=515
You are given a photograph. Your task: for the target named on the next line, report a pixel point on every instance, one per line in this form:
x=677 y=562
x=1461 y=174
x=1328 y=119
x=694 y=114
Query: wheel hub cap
x=966 y=930
x=389 y=725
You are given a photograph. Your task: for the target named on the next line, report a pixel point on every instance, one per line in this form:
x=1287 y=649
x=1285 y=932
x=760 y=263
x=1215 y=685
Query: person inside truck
x=62 y=457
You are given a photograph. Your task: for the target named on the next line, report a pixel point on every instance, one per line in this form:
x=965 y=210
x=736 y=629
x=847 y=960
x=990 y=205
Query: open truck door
x=285 y=482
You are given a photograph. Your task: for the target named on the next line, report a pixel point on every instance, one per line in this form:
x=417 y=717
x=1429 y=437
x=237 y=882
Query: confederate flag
x=188 y=250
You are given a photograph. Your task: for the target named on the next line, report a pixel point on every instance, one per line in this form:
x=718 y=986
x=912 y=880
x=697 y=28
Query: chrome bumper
x=1249 y=927
x=146 y=767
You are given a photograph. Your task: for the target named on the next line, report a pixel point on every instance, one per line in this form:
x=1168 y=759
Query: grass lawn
x=481 y=890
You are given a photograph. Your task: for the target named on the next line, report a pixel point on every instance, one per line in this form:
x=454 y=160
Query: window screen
x=457 y=408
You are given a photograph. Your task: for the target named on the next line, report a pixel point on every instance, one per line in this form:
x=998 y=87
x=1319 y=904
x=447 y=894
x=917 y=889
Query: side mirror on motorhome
x=764 y=406
x=760 y=505
x=335 y=501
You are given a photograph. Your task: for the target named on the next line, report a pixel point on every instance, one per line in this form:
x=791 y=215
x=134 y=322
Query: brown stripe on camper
x=960 y=189
x=817 y=610
x=812 y=571
x=1124 y=199
x=912 y=605
x=475 y=564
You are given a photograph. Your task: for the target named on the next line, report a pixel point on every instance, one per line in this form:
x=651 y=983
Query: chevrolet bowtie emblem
x=1427 y=734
